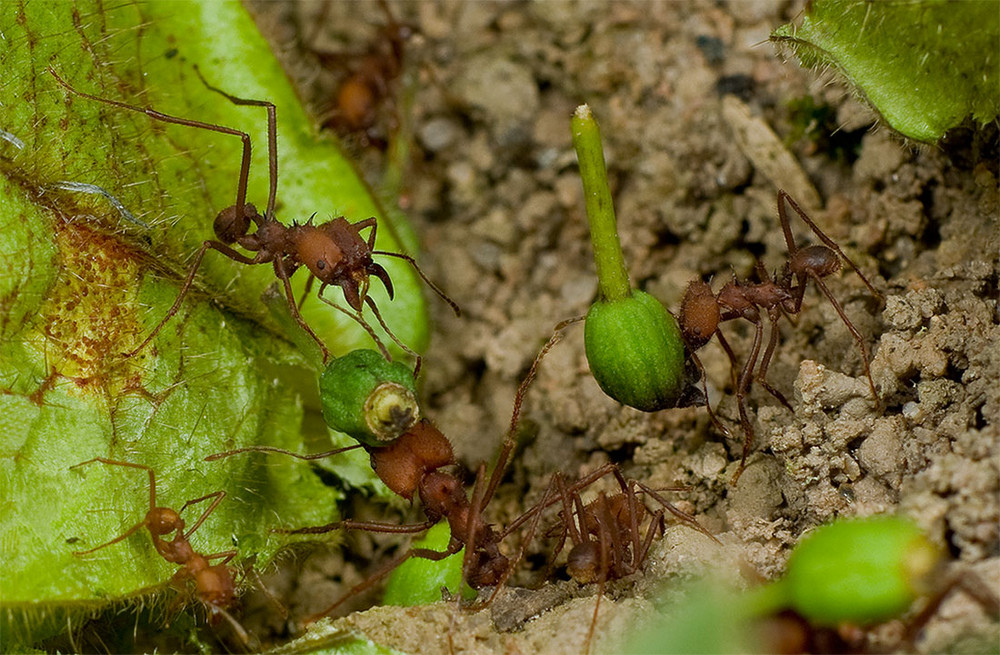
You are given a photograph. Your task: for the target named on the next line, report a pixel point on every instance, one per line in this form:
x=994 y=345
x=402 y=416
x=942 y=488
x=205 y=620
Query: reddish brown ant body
x=365 y=95
x=702 y=312
x=213 y=583
x=334 y=252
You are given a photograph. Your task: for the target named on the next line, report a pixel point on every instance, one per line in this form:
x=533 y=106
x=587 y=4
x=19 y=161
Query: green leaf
x=81 y=282
x=924 y=66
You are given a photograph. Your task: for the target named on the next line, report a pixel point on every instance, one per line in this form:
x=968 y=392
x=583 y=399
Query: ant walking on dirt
x=702 y=312
x=334 y=252
x=607 y=536
x=213 y=583
x=365 y=95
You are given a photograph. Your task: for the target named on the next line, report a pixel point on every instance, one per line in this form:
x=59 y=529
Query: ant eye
x=321 y=264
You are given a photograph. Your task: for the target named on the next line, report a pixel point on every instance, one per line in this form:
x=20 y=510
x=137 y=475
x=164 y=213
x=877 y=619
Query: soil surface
x=493 y=190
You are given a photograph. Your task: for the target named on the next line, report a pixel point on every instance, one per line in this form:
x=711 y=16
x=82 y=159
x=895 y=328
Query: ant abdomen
x=700 y=314
x=583 y=562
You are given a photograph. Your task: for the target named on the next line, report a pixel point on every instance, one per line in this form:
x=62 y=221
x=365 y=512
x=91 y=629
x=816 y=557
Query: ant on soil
x=607 y=536
x=334 y=251
x=213 y=583
x=702 y=312
x=366 y=93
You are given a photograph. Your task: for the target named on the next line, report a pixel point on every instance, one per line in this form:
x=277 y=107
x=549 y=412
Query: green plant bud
x=635 y=351
x=368 y=398
x=418 y=581
x=861 y=571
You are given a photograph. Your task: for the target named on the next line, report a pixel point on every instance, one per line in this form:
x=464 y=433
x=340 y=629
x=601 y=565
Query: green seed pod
x=862 y=571
x=368 y=398
x=635 y=351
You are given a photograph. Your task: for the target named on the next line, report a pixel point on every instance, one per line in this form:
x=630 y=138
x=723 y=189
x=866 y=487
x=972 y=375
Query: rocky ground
x=494 y=192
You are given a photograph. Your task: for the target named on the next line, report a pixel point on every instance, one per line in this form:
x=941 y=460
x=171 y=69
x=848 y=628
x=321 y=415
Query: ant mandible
x=213 y=583
x=334 y=251
x=702 y=312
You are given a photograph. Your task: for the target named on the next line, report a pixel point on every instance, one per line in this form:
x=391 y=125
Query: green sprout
x=633 y=344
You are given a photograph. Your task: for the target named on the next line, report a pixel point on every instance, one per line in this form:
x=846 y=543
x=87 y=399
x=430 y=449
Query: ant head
x=699 y=314
x=232 y=224
x=163 y=520
x=583 y=562
x=814 y=261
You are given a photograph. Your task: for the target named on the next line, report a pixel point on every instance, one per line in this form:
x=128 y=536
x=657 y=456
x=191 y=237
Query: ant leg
x=272 y=449
x=865 y=355
x=708 y=405
x=188 y=281
x=241 y=191
x=683 y=517
x=371 y=526
x=217 y=495
x=272 y=144
x=783 y=197
x=152 y=501
x=424 y=553
x=509 y=440
x=733 y=363
x=226 y=555
x=765 y=361
x=305 y=293
x=454 y=305
x=741 y=391
x=279 y=270
x=418 y=360
x=360 y=321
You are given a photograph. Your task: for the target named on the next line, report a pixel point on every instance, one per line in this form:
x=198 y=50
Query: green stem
x=612 y=276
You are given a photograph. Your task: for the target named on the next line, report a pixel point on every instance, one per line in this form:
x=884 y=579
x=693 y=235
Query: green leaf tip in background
x=82 y=281
x=924 y=66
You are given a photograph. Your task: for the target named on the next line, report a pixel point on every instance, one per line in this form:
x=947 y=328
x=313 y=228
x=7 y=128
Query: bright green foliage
x=636 y=351
x=860 y=571
x=80 y=284
x=633 y=344
x=863 y=571
x=419 y=581
x=925 y=66
x=368 y=398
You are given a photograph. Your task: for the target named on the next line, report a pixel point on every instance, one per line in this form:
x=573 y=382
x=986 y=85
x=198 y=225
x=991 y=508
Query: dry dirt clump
x=494 y=192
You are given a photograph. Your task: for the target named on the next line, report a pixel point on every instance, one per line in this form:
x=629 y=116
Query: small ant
x=365 y=93
x=213 y=583
x=334 y=251
x=702 y=312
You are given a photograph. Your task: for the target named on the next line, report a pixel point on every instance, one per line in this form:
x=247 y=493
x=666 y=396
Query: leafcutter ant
x=334 y=251
x=213 y=583
x=702 y=312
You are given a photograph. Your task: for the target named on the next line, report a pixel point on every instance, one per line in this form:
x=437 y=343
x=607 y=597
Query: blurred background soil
x=493 y=190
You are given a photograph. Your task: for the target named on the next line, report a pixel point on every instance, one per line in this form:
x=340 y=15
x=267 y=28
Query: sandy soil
x=494 y=192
